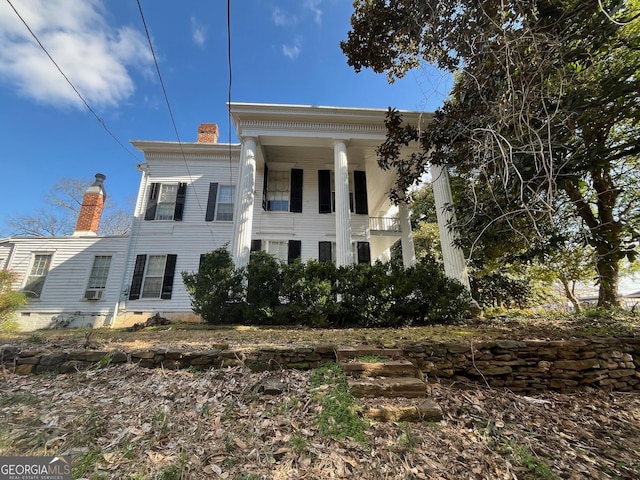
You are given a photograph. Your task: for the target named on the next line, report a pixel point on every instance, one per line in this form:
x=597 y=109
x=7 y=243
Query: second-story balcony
x=384 y=226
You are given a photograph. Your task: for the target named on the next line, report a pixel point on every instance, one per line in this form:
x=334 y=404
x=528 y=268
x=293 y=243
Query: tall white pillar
x=243 y=208
x=406 y=239
x=453 y=257
x=343 y=214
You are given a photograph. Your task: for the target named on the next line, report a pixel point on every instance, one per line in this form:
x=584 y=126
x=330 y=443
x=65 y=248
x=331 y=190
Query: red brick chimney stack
x=91 y=209
x=208 y=133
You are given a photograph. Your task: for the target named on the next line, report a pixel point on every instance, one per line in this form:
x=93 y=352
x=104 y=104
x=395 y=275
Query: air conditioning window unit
x=93 y=294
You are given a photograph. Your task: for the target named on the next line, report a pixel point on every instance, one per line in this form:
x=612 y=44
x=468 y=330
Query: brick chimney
x=208 y=133
x=91 y=209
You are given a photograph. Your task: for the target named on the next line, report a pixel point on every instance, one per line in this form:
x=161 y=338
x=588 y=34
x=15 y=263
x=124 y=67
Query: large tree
x=544 y=114
x=60 y=213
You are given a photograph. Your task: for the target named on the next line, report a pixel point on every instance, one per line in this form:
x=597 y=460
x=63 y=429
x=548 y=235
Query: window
x=327 y=252
x=278 y=191
x=283 y=250
x=282 y=190
x=37 y=275
x=166 y=201
x=359 y=250
x=220 y=203
x=98 y=278
x=153 y=277
x=357 y=192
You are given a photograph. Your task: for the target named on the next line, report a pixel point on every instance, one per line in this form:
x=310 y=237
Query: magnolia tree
x=544 y=116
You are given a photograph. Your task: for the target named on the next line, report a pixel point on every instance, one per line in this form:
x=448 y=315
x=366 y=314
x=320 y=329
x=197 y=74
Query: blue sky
x=283 y=51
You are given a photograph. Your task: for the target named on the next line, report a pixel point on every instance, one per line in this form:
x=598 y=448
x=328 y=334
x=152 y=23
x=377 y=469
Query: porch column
x=408 y=250
x=453 y=257
x=343 y=215
x=243 y=208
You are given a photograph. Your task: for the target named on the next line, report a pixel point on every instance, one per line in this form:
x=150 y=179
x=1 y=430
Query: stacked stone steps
x=390 y=376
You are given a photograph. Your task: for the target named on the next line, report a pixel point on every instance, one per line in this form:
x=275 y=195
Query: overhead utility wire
x=229 y=89
x=166 y=99
x=100 y=120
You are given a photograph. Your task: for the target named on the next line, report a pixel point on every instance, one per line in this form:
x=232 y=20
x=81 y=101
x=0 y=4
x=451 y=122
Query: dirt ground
x=130 y=422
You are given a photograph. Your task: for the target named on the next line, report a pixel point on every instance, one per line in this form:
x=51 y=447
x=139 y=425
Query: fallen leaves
x=212 y=424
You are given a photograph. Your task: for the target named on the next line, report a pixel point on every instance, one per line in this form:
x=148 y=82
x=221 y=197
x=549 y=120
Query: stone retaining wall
x=530 y=366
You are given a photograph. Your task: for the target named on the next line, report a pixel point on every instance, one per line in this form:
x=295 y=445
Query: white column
x=243 y=208
x=408 y=250
x=454 y=263
x=343 y=214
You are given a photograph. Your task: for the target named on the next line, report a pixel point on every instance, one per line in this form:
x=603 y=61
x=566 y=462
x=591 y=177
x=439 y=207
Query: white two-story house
x=303 y=183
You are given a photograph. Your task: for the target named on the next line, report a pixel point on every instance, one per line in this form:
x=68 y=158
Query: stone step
x=348 y=352
x=391 y=368
x=422 y=411
x=388 y=387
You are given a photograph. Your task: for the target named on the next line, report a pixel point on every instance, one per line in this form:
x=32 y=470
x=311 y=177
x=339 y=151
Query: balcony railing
x=384 y=224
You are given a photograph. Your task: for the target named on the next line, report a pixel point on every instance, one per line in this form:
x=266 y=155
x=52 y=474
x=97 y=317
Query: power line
x=100 y=120
x=166 y=99
x=229 y=88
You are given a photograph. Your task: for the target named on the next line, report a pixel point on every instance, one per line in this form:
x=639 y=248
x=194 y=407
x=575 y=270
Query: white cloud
x=282 y=18
x=96 y=57
x=199 y=32
x=291 y=51
x=314 y=7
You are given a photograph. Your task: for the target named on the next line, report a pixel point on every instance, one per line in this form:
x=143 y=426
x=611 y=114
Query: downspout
x=133 y=238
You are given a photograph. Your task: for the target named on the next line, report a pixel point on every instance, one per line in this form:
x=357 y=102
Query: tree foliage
x=60 y=213
x=544 y=116
x=10 y=300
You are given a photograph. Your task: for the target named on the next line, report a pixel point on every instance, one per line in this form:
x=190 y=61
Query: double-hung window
x=37 y=275
x=278 y=191
x=166 y=201
x=284 y=250
x=220 y=203
x=98 y=278
x=282 y=190
x=153 y=277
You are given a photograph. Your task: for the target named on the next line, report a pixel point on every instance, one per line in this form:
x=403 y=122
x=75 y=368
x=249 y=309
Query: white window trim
x=218 y=202
x=146 y=276
x=28 y=275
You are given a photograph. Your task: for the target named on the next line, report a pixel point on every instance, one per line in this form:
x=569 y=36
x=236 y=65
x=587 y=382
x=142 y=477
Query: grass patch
x=81 y=467
x=18 y=398
x=338 y=417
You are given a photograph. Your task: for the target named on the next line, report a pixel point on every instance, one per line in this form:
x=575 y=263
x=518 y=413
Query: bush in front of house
x=217 y=290
x=319 y=294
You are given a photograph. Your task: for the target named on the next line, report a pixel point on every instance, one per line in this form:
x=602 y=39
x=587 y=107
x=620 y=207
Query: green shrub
x=318 y=294
x=307 y=293
x=264 y=283
x=10 y=300
x=217 y=288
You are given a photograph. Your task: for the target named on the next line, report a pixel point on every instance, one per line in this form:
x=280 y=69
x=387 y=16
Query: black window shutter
x=203 y=256
x=152 y=202
x=256 y=245
x=264 y=187
x=211 y=203
x=324 y=191
x=296 y=191
x=360 y=190
x=324 y=251
x=182 y=193
x=138 y=275
x=295 y=250
x=364 y=252
x=167 y=282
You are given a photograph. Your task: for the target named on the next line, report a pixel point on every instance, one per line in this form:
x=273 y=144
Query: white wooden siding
x=188 y=238
x=66 y=281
